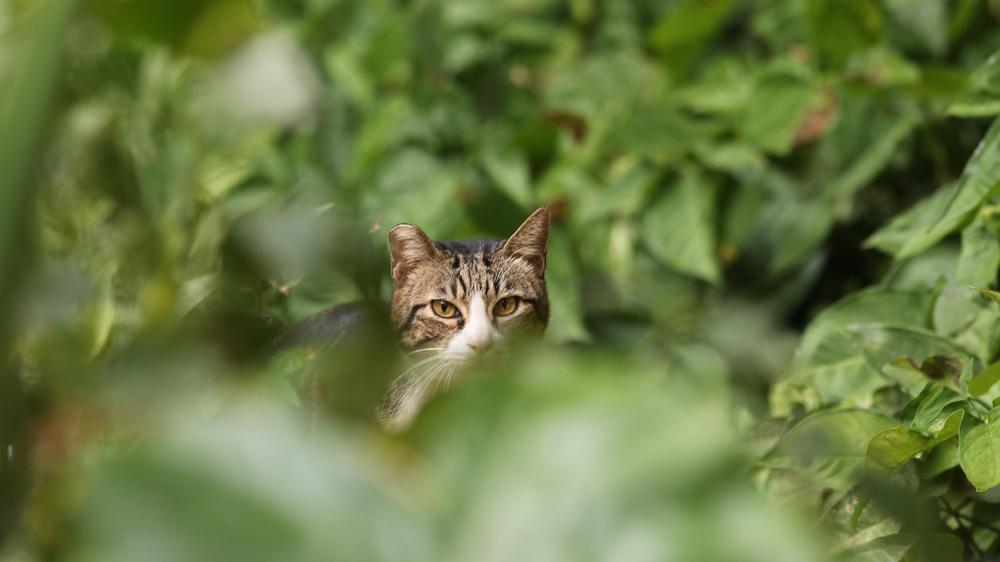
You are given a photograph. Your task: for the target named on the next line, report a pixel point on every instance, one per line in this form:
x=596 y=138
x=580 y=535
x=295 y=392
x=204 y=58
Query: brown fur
x=424 y=271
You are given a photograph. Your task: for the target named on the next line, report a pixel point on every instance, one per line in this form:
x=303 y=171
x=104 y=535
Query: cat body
x=451 y=303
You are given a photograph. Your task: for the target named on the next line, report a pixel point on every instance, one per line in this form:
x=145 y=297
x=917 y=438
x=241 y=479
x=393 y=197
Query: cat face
x=462 y=298
x=452 y=301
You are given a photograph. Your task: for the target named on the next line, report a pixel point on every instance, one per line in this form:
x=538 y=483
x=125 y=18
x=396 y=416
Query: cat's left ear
x=531 y=239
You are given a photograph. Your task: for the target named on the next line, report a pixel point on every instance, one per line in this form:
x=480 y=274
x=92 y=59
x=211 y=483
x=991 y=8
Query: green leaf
x=981 y=98
x=23 y=108
x=658 y=132
x=980 y=177
x=566 y=320
x=829 y=447
x=893 y=447
x=935 y=408
x=989 y=294
x=906 y=374
x=678 y=229
x=940 y=460
x=833 y=358
x=781 y=96
x=795 y=229
x=979 y=452
x=873 y=159
x=840 y=29
x=909 y=224
x=885 y=548
x=886 y=306
x=984 y=380
x=508 y=169
x=952 y=425
x=158 y=20
x=980 y=258
x=685 y=30
x=936 y=547
x=602 y=86
x=920 y=25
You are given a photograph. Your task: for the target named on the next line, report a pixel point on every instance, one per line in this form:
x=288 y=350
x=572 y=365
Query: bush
x=774 y=328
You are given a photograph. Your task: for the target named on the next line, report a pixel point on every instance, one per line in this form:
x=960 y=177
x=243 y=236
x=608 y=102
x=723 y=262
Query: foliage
x=772 y=277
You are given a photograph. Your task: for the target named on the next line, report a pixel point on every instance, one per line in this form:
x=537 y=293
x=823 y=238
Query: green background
x=775 y=237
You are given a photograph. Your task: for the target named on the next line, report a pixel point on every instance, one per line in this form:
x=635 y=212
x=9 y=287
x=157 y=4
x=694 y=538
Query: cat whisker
x=419 y=364
x=423 y=381
x=426 y=350
x=442 y=378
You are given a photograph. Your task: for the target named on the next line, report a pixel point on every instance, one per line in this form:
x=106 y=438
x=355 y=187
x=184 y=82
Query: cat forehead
x=467 y=248
x=463 y=268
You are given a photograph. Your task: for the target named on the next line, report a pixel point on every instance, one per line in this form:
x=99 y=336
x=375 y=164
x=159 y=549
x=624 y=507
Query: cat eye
x=506 y=306
x=444 y=309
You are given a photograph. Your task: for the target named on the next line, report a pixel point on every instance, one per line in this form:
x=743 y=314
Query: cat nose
x=480 y=346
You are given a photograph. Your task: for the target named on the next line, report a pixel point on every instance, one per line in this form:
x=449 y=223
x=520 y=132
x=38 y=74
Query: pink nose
x=481 y=346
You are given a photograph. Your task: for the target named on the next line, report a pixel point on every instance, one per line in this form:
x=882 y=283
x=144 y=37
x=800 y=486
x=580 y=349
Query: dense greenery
x=774 y=336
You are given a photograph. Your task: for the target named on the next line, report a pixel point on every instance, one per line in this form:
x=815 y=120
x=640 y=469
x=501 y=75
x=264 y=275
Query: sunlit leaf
x=979 y=450
x=980 y=257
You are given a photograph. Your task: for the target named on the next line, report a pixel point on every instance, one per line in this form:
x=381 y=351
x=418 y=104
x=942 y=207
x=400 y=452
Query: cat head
x=459 y=299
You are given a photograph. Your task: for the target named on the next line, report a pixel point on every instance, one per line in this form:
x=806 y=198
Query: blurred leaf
x=838 y=29
x=723 y=87
x=103 y=315
x=22 y=117
x=936 y=547
x=829 y=447
x=658 y=132
x=226 y=488
x=509 y=171
x=602 y=86
x=990 y=294
x=174 y=23
x=684 y=31
x=414 y=187
x=591 y=422
x=788 y=229
x=919 y=24
x=981 y=97
x=562 y=278
x=781 y=96
x=678 y=229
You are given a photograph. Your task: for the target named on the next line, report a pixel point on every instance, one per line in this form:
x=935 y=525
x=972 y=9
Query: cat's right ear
x=408 y=246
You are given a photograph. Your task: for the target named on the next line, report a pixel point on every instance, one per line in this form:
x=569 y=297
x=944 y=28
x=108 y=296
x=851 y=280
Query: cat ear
x=531 y=239
x=408 y=246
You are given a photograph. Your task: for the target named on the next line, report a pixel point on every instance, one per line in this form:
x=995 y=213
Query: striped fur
x=473 y=276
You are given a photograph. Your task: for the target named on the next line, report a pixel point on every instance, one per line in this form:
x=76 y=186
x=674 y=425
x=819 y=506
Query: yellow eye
x=444 y=309
x=506 y=306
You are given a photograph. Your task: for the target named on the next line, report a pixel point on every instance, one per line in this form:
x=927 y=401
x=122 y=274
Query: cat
x=452 y=302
